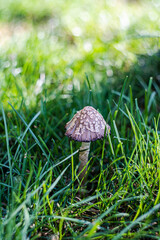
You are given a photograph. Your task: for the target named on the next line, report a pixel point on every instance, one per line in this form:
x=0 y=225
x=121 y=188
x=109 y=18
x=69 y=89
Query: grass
x=53 y=63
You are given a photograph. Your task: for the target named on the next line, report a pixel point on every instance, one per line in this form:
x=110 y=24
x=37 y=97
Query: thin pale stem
x=83 y=159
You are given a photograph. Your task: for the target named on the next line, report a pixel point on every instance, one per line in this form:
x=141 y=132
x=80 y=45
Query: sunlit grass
x=57 y=57
x=70 y=42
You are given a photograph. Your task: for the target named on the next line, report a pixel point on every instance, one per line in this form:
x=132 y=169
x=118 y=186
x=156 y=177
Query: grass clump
x=53 y=63
x=123 y=185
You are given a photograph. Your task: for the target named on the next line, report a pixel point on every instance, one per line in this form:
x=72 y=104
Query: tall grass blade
x=33 y=135
x=8 y=148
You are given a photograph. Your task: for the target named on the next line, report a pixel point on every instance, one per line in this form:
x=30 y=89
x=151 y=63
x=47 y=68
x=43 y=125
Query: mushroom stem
x=83 y=159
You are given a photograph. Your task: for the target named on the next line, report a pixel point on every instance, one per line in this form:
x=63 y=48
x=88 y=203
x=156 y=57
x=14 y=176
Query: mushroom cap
x=87 y=125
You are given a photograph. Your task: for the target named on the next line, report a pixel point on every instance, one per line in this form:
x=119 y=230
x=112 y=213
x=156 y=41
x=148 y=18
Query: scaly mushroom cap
x=87 y=125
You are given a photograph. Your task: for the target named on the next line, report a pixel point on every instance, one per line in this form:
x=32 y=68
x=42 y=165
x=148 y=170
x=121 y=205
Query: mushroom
x=87 y=125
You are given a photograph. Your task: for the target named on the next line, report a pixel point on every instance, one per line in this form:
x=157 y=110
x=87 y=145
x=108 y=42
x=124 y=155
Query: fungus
x=86 y=126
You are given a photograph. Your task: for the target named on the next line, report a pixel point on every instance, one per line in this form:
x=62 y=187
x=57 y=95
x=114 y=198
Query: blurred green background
x=46 y=47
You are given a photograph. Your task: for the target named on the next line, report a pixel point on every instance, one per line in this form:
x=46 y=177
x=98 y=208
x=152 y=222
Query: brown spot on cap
x=87 y=125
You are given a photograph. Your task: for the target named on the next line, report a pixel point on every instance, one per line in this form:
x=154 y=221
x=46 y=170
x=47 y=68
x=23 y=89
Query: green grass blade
x=33 y=135
x=121 y=95
x=26 y=130
x=8 y=148
x=137 y=221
